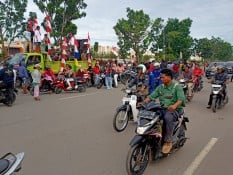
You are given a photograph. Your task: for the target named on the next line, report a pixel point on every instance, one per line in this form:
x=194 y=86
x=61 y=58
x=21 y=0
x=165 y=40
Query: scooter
x=127 y=111
x=62 y=85
x=147 y=143
x=11 y=163
x=184 y=84
x=217 y=91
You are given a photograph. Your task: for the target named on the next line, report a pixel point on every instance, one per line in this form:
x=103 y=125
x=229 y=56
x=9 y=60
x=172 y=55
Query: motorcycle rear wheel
x=137 y=159
x=120 y=121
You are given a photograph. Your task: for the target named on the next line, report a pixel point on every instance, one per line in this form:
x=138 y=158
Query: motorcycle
x=217 y=88
x=198 y=84
x=146 y=145
x=184 y=84
x=78 y=85
x=101 y=81
x=11 y=163
x=127 y=111
x=8 y=96
x=45 y=86
x=126 y=76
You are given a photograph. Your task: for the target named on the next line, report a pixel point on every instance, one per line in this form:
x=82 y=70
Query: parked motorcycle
x=217 y=88
x=62 y=85
x=146 y=145
x=184 y=85
x=11 y=163
x=45 y=86
x=127 y=111
x=101 y=81
x=8 y=96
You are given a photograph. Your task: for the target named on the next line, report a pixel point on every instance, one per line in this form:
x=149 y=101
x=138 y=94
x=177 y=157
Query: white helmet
x=156 y=64
x=143 y=67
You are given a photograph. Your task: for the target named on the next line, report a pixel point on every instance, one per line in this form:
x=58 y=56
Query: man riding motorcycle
x=6 y=76
x=220 y=75
x=197 y=73
x=171 y=96
x=141 y=80
x=187 y=74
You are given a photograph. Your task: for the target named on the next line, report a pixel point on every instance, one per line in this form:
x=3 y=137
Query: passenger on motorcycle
x=48 y=78
x=7 y=77
x=141 y=80
x=187 y=74
x=220 y=75
x=70 y=75
x=171 y=96
x=157 y=74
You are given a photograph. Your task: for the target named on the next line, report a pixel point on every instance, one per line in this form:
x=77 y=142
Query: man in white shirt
x=37 y=39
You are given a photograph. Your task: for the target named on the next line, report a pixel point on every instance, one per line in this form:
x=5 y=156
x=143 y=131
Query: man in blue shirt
x=219 y=76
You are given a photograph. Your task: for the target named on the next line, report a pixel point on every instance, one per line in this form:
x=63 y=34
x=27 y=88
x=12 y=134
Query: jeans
x=108 y=82
x=96 y=79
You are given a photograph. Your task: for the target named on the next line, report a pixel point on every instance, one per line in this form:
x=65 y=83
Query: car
x=229 y=67
x=210 y=70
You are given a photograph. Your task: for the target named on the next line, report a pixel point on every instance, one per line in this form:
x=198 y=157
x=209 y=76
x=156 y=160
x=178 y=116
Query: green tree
x=213 y=49
x=133 y=33
x=11 y=19
x=175 y=38
x=62 y=13
x=96 y=46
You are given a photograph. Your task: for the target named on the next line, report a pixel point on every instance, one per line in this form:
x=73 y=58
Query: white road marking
x=77 y=96
x=197 y=161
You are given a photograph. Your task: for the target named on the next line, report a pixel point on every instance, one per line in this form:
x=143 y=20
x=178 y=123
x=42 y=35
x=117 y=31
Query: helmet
x=156 y=64
x=143 y=67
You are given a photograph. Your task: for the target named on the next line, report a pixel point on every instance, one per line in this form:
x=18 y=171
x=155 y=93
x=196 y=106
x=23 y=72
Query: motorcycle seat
x=3 y=165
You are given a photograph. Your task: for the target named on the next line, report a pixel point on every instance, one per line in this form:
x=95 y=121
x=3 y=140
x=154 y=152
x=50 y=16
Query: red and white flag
x=88 y=48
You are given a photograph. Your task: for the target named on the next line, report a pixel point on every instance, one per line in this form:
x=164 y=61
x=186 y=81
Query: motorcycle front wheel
x=137 y=159
x=58 y=90
x=100 y=84
x=215 y=105
x=120 y=120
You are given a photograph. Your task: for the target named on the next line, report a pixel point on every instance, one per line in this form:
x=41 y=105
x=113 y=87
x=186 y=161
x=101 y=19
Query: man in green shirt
x=171 y=96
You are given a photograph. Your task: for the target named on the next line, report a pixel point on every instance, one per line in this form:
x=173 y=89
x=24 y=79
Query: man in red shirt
x=197 y=73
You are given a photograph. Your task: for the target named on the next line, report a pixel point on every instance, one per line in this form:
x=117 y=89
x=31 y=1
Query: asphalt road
x=72 y=134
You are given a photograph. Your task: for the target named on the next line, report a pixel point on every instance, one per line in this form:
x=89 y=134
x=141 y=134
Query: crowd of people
x=153 y=80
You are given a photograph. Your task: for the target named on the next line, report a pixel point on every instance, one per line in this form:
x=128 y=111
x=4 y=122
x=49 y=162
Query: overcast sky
x=210 y=17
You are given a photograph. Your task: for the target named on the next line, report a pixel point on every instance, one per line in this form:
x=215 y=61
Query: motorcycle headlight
x=141 y=130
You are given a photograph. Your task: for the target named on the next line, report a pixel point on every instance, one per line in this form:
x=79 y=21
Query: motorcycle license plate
x=126 y=99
